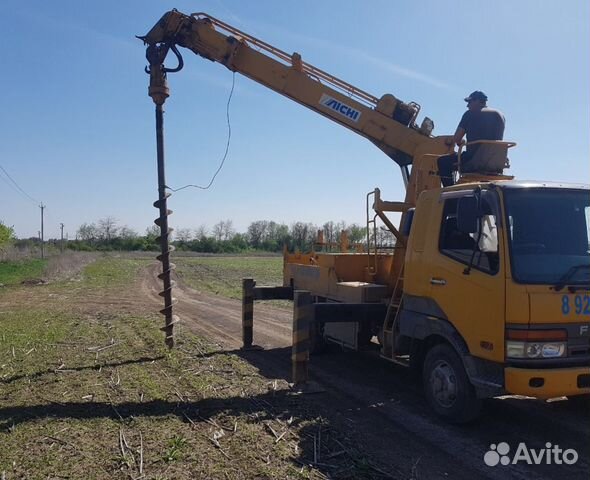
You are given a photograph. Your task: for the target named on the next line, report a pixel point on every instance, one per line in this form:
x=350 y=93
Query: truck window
x=460 y=246
x=549 y=234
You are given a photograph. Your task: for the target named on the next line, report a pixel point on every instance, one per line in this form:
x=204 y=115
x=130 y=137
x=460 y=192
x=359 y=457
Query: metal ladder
x=371 y=239
x=391 y=318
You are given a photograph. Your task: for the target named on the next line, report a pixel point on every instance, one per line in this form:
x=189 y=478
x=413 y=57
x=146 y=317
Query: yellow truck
x=487 y=289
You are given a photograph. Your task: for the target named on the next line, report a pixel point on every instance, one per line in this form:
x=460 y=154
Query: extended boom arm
x=387 y=122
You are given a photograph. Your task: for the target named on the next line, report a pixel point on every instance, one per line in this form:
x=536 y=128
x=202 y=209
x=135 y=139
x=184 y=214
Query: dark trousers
x=447 y=164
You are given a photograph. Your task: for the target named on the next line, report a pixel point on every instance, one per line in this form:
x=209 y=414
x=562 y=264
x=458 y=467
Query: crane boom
x=387 y=121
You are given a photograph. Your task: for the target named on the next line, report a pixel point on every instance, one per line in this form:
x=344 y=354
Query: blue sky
x=78 y=127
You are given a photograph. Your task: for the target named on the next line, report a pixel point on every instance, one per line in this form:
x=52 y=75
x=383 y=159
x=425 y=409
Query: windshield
x=549 y=234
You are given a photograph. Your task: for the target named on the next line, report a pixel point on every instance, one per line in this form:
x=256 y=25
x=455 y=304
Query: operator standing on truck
x=479 y=123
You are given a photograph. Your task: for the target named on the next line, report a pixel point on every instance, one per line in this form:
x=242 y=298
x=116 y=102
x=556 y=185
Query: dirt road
x=385 y=406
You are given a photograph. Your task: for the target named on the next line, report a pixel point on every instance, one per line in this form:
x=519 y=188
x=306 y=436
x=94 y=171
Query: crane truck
x=487 y=291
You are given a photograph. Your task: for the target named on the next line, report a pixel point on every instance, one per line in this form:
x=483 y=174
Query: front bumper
x=547 y=383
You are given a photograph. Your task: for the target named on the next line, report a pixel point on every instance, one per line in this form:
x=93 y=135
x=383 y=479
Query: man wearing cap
x=479 y=123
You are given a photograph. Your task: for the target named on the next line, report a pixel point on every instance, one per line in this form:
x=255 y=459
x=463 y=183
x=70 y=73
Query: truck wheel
x=447 y=387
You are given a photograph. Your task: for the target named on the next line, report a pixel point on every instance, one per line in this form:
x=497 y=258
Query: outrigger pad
x=252 y=348
x=307 y=387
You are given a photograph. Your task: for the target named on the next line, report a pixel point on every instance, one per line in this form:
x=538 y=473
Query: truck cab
x=498 y=275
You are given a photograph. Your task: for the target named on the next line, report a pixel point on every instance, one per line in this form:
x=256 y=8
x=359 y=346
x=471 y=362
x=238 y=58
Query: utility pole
x=42 y=207
x=62 y=237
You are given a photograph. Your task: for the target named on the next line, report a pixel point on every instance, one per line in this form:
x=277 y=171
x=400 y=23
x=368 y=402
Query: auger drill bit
x=158 y=91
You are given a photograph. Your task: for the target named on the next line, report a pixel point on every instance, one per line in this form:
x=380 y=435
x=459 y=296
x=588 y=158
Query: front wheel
x=446 y=386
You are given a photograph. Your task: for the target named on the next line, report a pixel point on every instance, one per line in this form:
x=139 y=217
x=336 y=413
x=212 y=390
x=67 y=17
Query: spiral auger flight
x=167 y=267
x=158 y=90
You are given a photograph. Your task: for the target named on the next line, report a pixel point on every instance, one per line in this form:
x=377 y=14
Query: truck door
x=473 y=299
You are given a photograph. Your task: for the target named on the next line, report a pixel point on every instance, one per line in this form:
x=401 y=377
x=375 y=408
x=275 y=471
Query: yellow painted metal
x=301 y=82
x=557 y=381
x=380 y=207
x=473 y=303
x=423 y=178
x=546 y=305
x=325 y=274
x=480 y=178
x=517 y=302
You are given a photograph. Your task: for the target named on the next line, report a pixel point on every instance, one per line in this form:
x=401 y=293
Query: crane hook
x=156 y=54
x=178 y=57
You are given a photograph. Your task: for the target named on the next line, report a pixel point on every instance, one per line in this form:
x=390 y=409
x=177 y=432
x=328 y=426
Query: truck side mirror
x=467 y=214
x=407 y=223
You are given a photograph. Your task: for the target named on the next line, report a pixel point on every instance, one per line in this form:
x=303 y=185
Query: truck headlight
x=516 y=349
x=533 y=350
x=536 y=343
x=551 y=350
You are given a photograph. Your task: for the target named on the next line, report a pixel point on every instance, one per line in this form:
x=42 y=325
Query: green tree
x=357 y=234
x=6 y=235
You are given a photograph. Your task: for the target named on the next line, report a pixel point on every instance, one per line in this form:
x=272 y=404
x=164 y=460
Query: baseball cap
x=477 y=95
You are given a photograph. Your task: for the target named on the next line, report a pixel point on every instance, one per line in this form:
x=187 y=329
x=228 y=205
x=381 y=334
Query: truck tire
x=447 y=387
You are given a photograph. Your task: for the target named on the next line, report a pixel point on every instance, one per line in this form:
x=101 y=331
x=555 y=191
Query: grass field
x=223 y=275
x=12 y=273
x=87 y=390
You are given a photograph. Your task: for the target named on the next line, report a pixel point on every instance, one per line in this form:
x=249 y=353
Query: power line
x=8 y=183
x=226 y=145
x=11 y=185
x=18 y=186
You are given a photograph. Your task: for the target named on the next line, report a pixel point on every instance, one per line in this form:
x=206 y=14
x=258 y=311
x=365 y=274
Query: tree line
x=261 y=235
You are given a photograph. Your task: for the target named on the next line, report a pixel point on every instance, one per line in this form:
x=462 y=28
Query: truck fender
x=419 y=326
x=487 y=377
